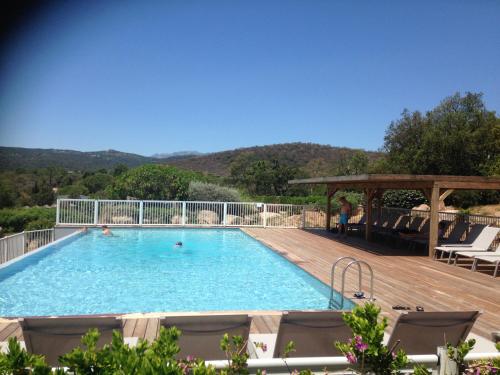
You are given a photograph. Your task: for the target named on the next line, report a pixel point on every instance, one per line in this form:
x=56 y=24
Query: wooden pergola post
x=329 y=194
x=433 y=227
x=369 y=193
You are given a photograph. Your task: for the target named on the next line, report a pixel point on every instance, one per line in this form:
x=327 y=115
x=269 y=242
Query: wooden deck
x=404 y=280
x=399 y=279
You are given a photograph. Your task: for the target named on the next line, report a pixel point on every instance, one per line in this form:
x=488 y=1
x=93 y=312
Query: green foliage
x=152 y=182
x=97 y=182
x=74 y=191
x=205 y=191
x=7 y=195
x=235 y=349
x=366 y=351
x=18 y=362
x=403 y=198
x=14 y=220
x=457 y=354
x=458 y=137
x=119 y=170
x=262 y=177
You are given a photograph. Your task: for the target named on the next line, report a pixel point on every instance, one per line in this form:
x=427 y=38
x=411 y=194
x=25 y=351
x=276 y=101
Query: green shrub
x=403 y=198
x=205 y=191
x=14 y=220
x=153 y=182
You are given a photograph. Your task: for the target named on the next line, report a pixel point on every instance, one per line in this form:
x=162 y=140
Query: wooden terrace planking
x=405 y=280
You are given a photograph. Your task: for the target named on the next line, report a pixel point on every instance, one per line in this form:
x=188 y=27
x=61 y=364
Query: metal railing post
x=225 y=214
x=57 y=211
x=264 y=219
x=141 y=212
x=445 y=365
x=183 y=213
x=96 y=212
x=303 y=224
x=25 y=243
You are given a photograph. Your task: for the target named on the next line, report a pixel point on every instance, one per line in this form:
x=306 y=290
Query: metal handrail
x=359 y=263
x=332 y=280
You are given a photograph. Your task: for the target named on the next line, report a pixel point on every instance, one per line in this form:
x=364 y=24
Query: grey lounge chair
x=423 y=332
x=480 y=244
x=474 y=254
x=201 y=334
x=55 y=336
x=313 y=332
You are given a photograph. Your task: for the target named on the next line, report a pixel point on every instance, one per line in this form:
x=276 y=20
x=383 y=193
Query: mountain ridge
x=297 y=154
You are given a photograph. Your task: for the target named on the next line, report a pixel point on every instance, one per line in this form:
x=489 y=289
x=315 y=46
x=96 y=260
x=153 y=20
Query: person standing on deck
x=345 y=213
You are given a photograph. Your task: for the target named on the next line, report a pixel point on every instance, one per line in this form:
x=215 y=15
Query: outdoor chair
x=457 y=233
x=423 y=332
x=474 y=232
x=487 y=256
x=201 y=334
x=313 y=332
x=55 y=336
x=481 y=244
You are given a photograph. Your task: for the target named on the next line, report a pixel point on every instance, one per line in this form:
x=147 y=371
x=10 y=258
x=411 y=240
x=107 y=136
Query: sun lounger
x=201 y=334
x=55 y=336
x=493 y=258
x=480 y=244
x=313 y=332
x=474 y=232
x=486 y=256
x=456 y=234
x=423 y=332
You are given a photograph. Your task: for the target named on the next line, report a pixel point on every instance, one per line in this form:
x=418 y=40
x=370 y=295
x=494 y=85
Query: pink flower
x=359 y=344
x=351 y=358
x=190 y=358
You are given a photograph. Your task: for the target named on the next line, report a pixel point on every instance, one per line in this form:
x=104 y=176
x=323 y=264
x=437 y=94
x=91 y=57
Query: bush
x=403 y=198
x=204 y=191
x=153 y=182
x=14 y=220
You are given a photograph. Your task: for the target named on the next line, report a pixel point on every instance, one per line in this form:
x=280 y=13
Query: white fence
x=21 y=243
x=153 y=213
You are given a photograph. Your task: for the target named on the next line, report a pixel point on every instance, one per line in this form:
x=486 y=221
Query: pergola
x=435 y=188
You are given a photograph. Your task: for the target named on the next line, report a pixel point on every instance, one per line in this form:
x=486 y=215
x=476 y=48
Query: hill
x=315 y=158
x=312 y=157
x=31 y=158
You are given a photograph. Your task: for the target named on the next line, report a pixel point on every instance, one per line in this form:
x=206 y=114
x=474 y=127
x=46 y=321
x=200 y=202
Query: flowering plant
x=366 y=352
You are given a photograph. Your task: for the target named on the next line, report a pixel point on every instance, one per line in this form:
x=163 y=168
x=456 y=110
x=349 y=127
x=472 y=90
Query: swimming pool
x=140 y=270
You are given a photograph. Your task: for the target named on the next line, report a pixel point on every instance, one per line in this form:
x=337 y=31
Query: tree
x=97 y=182
x=7 y=195
x=119 y=170
x=262 y=177
x=152 y=182
x=458 y=137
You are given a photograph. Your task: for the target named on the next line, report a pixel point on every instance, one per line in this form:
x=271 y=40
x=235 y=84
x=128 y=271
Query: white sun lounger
x=480 y=244
x=473 y=254
x=489 y=256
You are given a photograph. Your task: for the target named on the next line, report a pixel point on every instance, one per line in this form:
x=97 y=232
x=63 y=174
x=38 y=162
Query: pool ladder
x=359 y=294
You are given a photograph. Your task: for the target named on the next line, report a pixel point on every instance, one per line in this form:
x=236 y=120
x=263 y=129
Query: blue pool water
x=139 y=270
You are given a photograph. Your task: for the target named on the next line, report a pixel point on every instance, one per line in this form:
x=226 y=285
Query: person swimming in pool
x=106 y=231
x=178 y=244
x=345 y=213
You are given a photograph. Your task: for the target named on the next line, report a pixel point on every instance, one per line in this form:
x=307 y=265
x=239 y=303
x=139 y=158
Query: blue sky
x=165 y=76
